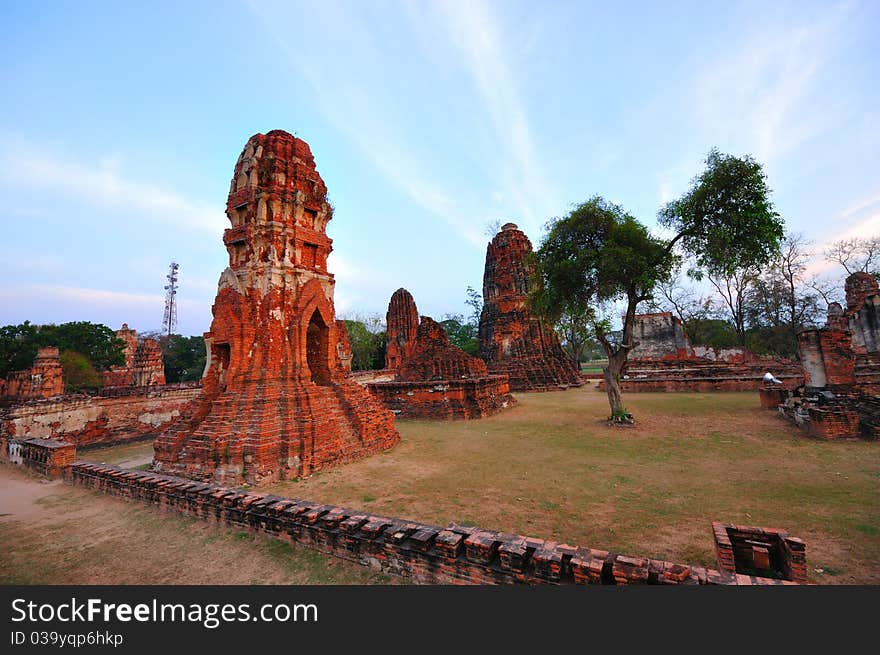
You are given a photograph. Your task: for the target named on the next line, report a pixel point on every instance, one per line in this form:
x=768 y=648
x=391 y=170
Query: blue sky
x=121 y=123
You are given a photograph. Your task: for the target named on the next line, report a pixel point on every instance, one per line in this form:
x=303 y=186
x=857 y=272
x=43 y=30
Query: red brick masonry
x=426 y=553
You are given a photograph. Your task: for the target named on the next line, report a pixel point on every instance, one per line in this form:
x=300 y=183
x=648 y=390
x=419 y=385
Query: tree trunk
x=612 y=388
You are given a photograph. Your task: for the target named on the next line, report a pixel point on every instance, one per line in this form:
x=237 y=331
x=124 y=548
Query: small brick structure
x=44 y=379
x=514 y=342
x=431 y=378
x=144 y=365
x=45 y=457
x=760 y=552
x=840 y=397
x=276 y=401
x=427 y=554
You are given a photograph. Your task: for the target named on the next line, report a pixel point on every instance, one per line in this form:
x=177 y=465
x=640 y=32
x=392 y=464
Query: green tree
x=97 y=343
x=79 y=374
x=367 y=348
x=184 y=357
x=598 y=255
x=461 y=333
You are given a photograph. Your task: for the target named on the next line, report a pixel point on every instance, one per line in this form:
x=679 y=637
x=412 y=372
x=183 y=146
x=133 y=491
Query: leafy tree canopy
x=726 y=220
x=97 y=343
x=184 y=357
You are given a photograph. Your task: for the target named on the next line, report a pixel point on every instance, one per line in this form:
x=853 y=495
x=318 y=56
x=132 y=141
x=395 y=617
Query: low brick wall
x=49 y=458
x=427 y=554
x=773 y=396
x=121 y=415
x=445 y=399
x=745 y=549
x=698 y=384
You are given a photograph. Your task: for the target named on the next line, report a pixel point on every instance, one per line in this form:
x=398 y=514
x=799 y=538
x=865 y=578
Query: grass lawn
x=551 y=468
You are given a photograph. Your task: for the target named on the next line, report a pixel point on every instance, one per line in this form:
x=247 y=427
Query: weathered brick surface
x=276 y=400
x=427 y=554
x=144 y=365
x=42 y=380
x=432 y=379
x=48 y=458
x=445 y=399
x=841 y=365
x=513 y=342
x=401 y=328
x=116 y=415
x=664 y=360
x=770 y=552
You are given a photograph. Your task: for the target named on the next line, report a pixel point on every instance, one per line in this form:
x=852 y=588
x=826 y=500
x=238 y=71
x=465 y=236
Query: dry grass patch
x=550 y=467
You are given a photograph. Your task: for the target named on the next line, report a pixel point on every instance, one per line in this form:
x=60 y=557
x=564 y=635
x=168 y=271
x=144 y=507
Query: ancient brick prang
x=513 y=342
x=401 y=326
x=144 y=365
x=42 y=380
x=426 y=554
x=276 y=401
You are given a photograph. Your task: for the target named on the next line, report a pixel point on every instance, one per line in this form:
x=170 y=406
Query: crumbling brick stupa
x=276 y=402
x=513 y=342
x=431 y=378
x=840 y=397
x=144 y=365
x=44 y=379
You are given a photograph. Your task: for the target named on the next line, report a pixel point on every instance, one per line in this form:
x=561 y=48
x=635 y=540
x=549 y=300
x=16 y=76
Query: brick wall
x=427 y=554
x=123 y=414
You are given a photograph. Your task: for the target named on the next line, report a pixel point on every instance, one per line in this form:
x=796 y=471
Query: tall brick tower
x=401 y=328
x=512 y=340
x=276 y=402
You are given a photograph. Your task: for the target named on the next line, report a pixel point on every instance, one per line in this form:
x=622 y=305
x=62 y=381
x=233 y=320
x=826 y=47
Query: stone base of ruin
x=273 y=432
x=445 y=399
x=537 y=374
x=832 y=412
x=703 y=376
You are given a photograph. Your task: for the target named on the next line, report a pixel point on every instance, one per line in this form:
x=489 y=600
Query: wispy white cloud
x=369 y=127
x=28 y=165
x=477 y=35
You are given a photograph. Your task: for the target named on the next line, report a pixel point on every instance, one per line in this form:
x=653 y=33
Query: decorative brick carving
x=512 y=341
x=276 y=400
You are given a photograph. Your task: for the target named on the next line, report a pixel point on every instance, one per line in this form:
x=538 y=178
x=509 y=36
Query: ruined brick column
x=512 y=341
x=276 y=402
x=402 y=326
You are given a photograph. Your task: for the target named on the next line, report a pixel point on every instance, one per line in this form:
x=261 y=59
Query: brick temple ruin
x=134 y=404
x=276 y=401
x=144 y=366
x=44 y=379
x=840 y=397
x=663 y=359
x=429 y=378
x=513 y=342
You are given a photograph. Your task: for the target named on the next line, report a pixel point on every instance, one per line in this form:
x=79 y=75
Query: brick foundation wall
x=48 y=458
x=427 y=554
x=445 y=399
x=124 y=414
x=772 y=397
x=741 y=549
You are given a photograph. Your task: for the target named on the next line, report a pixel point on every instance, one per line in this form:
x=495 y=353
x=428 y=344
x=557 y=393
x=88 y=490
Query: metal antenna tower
x=170 y=320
